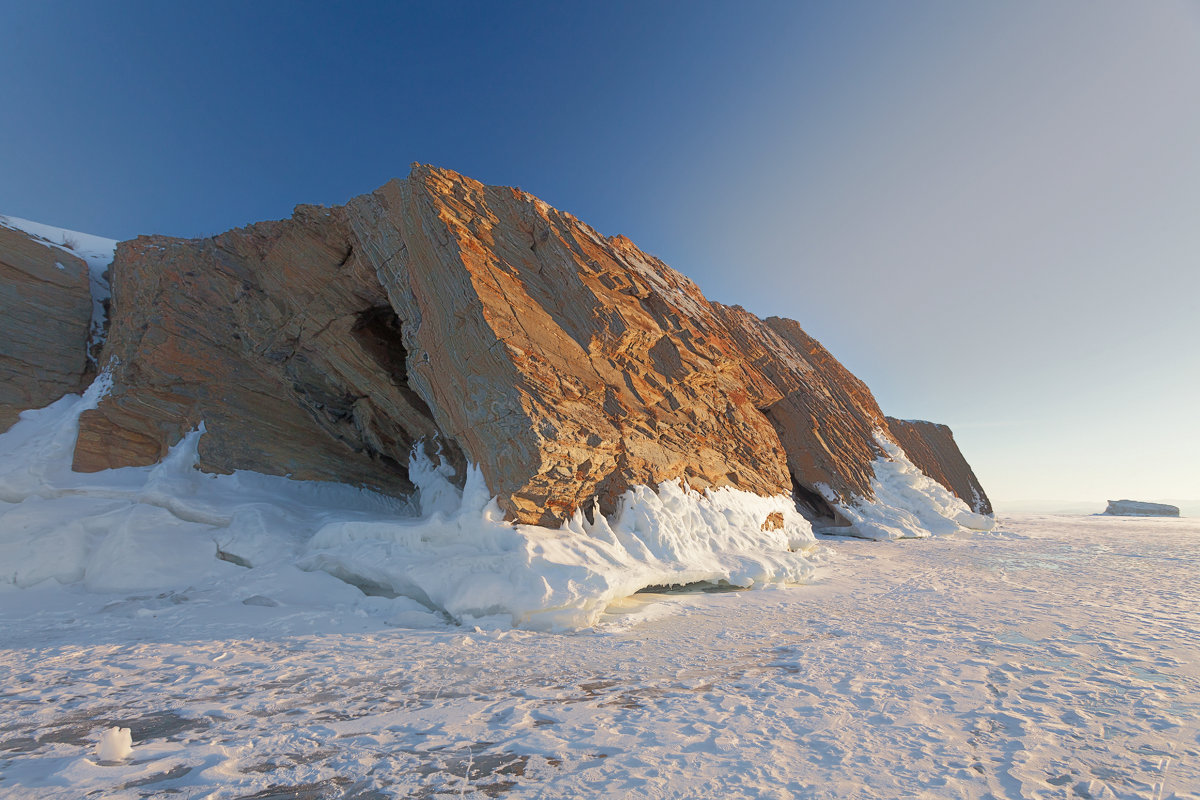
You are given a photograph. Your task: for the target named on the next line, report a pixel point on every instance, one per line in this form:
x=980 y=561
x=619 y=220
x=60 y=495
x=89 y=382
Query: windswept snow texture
x=908 y=503
x=95 y=250
x=272 y=542
x=1055 y=658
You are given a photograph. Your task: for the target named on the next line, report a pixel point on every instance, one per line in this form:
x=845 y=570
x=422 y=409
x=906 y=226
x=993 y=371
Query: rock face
x=566 y=364
x=45 y=316
x=278 y=337
x=825 y=417
x=569 y=365
x=1137 y=508
x=932 y=448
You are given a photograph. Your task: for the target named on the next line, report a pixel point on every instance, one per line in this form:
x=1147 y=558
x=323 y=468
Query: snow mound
x=95 y=250
x=908 y=503
x=480 y=569
x=116 y=744
x=259 y=540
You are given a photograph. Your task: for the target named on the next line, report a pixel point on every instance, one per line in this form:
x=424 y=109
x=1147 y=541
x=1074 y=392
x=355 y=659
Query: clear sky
x=990 y=212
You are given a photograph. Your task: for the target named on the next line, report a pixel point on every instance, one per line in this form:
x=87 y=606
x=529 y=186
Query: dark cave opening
x=813 y=506
x=378 y=331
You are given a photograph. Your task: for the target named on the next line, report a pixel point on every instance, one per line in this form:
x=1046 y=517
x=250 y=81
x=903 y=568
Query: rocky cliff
x=45 y=316
x=278 y=337
x=494 y=329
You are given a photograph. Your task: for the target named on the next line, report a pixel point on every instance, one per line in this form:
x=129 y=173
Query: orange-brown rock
x=568 y=365
x=932 y=448
x=278 y=337
x=45 y=315
x=773 y=522
x=825 y=417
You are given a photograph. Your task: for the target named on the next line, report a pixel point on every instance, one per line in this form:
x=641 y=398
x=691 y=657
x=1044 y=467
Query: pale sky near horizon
x=990 y=212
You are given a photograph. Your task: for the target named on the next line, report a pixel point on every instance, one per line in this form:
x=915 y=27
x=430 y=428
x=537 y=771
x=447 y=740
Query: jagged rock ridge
x=495 y=328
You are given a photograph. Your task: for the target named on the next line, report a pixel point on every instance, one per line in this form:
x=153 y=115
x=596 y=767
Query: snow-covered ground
x=1057 y=657
x=448 y=553
x=169 y=633
x=247 y=539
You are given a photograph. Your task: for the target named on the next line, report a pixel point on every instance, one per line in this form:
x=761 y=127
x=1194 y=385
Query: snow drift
x=271 y=540
x=171 y=526
x=908 y=503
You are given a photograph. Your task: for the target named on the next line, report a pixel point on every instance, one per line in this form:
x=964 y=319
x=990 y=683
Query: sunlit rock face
x=824 y=416
x=568 y=365
x=1137 y=508
x=45 y=315
x=278 y=337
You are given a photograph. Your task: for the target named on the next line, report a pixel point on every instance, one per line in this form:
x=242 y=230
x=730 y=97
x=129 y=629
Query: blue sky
x=988 y=211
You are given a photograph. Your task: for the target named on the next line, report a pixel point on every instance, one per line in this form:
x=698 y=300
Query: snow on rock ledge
x=248 y=537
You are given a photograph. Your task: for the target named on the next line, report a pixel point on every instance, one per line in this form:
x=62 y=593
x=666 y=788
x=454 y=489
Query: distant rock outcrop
x=45 y=318
x=1137 y=508
x=479 y=320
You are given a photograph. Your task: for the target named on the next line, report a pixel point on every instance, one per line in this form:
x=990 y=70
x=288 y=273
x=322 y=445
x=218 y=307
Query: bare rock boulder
x=279 y=338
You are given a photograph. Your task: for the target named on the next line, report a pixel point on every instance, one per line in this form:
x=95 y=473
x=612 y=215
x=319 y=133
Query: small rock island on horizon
x=1138 y=508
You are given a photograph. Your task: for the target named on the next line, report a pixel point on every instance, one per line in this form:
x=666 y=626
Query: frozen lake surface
x=1057 y=657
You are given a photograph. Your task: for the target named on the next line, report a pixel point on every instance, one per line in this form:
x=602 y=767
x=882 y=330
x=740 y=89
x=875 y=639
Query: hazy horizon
x=986 y=212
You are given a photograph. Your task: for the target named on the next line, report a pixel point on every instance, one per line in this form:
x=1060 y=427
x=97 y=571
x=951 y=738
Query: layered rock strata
x=45 y=317
x=278 y=338
x=825 y=417
x=568 y=365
